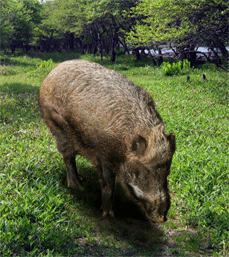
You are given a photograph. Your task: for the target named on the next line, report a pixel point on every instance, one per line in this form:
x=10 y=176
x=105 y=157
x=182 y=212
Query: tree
x=97 y=25
x=17 y=22
x=6 y=26
x=48 y=34
x=187 y=23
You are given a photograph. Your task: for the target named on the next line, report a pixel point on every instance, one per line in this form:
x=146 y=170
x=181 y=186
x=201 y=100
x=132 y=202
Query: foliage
x=94 y=25
x=73 y=16
x=45 y=65
x=5 y=25
x=188 y=22
x=41 y=217
x=17 y=22
x=175 y=68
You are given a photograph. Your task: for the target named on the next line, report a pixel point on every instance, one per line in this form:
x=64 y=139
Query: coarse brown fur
x=100 y=114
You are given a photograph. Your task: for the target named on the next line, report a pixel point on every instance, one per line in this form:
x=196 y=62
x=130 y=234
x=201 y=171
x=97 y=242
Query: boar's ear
x=139 y=145
x=172 y=141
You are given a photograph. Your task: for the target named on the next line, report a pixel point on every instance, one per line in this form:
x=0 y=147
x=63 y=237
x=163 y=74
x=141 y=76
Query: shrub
x=180 y=67
x=45 y=65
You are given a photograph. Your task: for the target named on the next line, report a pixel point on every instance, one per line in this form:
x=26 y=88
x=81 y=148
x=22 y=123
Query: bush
x=180 y=67
x=45 y=65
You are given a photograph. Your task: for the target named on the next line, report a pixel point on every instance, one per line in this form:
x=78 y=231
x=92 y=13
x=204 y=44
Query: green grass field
x=40 y=216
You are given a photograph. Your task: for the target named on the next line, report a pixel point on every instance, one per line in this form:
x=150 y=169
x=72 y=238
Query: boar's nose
x=159 y=219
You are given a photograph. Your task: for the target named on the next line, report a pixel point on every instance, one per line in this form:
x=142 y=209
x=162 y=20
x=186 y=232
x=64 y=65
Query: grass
x=40 y=216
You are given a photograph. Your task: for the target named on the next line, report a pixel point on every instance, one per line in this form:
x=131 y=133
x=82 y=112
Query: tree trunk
x=151 y=56
x=71 y=40
x=113 y=55
x=126 y=50
x=137 y=52
x=221 y=46
x=100 y=45
x=160 y=60
x=113 y=52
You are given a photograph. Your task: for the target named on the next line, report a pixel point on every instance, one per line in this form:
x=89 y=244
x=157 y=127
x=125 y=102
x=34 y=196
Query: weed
x=45 y=65
x=180 y=67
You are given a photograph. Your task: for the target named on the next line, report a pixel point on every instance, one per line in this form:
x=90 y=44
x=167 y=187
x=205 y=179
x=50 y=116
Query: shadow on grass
x=129 y=226
x=6 y=60
x=55 y=56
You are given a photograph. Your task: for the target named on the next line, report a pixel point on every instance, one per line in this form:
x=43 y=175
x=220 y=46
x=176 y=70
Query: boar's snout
x=155 y=204
x=161 y=205
x=156 y=209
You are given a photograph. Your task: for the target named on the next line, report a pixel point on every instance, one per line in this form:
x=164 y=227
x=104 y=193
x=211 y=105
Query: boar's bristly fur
x=100 y=114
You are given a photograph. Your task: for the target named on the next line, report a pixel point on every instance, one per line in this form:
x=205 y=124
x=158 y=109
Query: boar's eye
x=139 y=145
x=149 y=207
x=164 y=168
x=166 y=165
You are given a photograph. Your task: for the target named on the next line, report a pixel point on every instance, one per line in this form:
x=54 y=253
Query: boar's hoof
x=108 y=213
x=76 y=183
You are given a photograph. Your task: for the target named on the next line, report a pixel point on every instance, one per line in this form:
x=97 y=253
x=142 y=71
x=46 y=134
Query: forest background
x=107 y=26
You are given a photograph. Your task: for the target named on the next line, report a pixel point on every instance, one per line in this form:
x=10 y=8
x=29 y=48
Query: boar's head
x=147 y=169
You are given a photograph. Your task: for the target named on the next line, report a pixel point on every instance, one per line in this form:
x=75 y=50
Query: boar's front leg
x=107 y=181
x=74 y=179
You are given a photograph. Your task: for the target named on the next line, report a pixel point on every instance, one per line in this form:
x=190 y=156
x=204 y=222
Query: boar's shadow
x=129 y=224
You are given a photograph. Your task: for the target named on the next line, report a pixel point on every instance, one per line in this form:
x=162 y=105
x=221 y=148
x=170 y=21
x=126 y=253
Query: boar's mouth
x=155 y=210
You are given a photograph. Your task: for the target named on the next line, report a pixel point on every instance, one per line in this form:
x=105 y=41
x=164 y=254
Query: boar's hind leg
x=107 y=181
x=60 y=129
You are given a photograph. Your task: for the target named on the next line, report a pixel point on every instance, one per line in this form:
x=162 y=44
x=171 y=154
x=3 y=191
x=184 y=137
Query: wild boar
x=100 y=114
